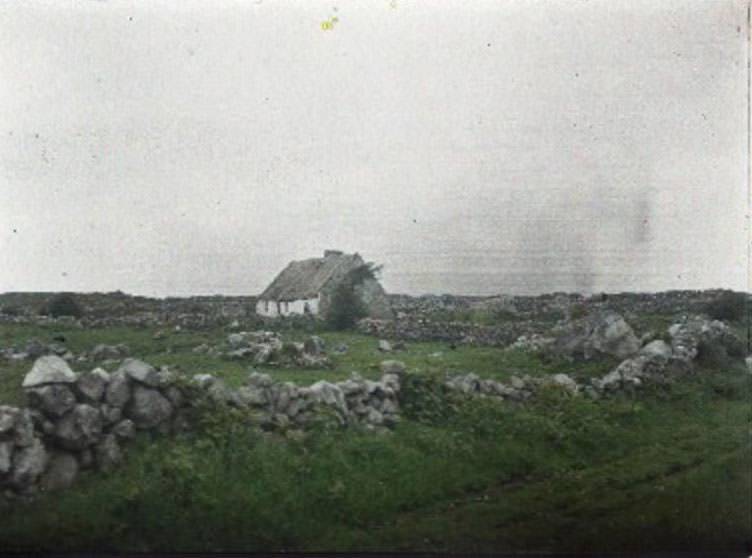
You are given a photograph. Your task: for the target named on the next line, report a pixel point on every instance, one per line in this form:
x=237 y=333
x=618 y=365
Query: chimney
x=331 y=253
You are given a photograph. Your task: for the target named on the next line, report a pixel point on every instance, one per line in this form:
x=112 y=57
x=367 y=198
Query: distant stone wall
x=83 y=421
x=418 y=329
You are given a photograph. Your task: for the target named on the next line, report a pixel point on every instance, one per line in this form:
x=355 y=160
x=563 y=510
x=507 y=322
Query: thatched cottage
x=306 y=287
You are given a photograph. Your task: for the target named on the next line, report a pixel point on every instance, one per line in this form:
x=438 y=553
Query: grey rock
x=313 y=345
x=7 y=418
x=657 y=349
x=252 y=396
x=28 y=464
x=109 y=352
x=748 y=362
x=107 y=454
x=124 y=430
x=375 y=417
x=23 y=435
x=257 y=379
x=220 y=392
x=203 y=381
x=61 y=472
x=6 y=455
x=35 y=349
x=611 y=381
x=174 y=396
x=384 y=346
x=91 y=385
x=80 y=428
x=566 y=382
x=148 y=408
x=111 y=415
x=52 y=399
x=140 y=371
x=389 y=406
x=392 y=366
x=341 y=348
x=118 y=391
x=49 y=369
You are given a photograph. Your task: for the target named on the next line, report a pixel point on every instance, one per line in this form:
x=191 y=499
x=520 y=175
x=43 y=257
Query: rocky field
x=502 y=424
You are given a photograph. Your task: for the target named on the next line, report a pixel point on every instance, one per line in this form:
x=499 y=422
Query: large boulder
x=603 y=334
x=49 y=369
x=148 y=408
x=52 y=399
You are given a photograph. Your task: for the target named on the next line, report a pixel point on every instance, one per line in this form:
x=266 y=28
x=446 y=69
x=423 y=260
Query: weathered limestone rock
x=28 y=464
x=141 y=372
x=251 y=396
x=148 y=408
x=657 y=350
x=61 y=472
x=49 y=369
x=118 y=391
x=80 y=428
x=91 y=385
x=52 y=399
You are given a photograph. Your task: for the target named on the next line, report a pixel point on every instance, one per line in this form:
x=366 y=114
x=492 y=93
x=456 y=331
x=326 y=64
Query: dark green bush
x=63 y=304
x=729 y=306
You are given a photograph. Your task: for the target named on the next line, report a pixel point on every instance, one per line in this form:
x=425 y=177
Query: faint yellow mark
x=393 y=4
x=328 y=24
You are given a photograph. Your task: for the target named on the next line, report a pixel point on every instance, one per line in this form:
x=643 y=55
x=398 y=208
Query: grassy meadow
x=662 y=469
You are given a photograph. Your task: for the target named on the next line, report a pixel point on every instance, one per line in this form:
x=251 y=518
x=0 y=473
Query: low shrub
x=63 y=304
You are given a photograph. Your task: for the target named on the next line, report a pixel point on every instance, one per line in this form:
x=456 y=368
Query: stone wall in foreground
x=83 y=421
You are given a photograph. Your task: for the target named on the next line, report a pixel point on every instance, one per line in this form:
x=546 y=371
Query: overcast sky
x=475 y=147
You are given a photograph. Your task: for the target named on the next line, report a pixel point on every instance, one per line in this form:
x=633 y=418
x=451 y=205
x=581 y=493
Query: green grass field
x=663 y=469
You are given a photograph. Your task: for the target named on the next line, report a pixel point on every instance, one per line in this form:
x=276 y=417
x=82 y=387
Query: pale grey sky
x=519 y=146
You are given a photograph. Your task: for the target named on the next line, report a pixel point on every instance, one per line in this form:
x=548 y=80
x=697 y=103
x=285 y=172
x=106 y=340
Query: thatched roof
x=307 y=278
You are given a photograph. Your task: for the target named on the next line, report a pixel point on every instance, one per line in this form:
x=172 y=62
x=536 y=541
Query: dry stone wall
x=84 y=421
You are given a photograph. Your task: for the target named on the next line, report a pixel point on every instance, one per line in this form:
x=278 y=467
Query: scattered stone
x=566 y=382
x=49 y=369
x=384 y=346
